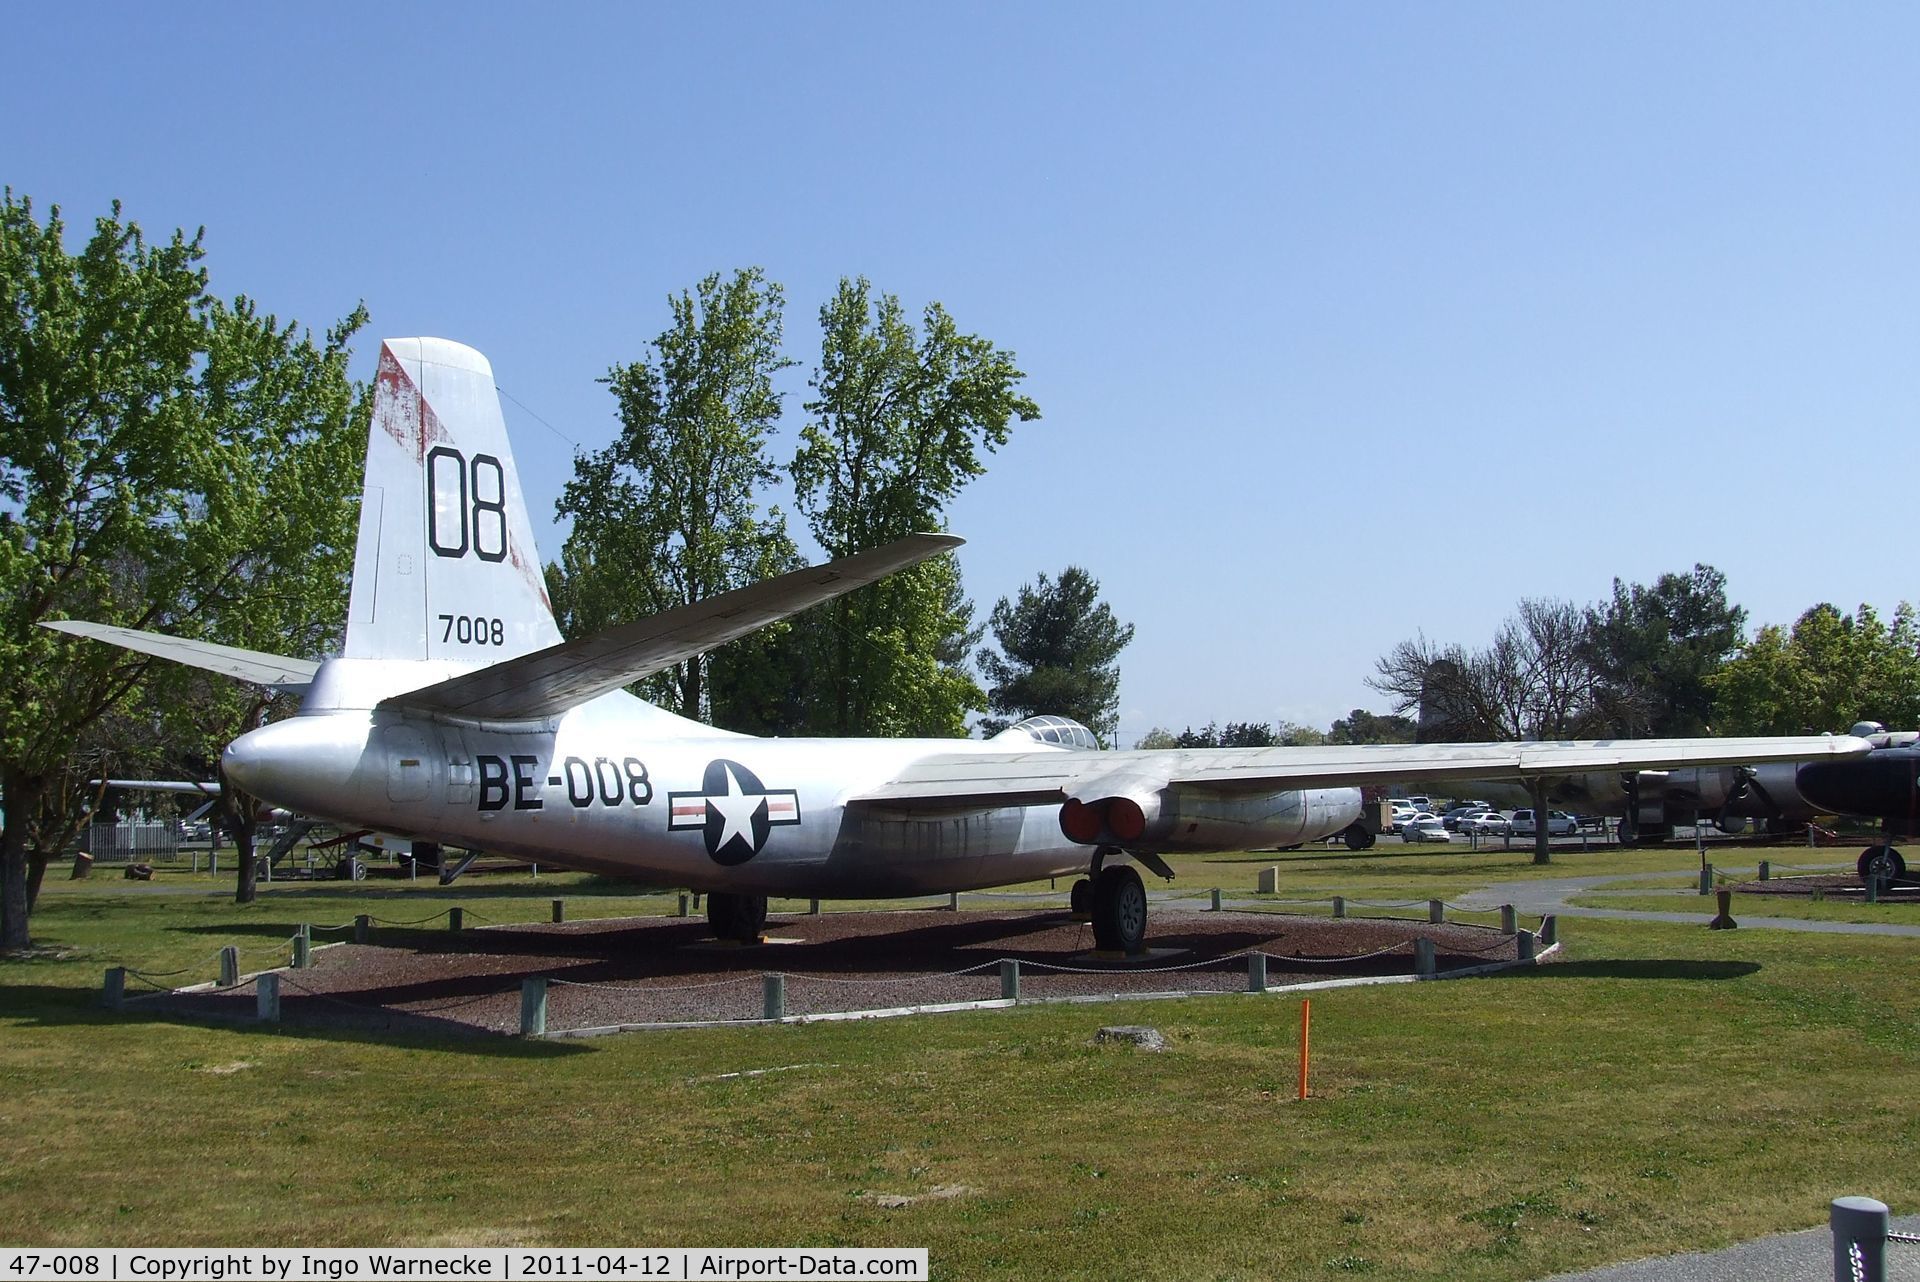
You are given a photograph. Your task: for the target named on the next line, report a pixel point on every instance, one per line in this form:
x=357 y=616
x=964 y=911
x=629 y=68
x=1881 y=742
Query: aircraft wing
x=560 y=677
x=954 y=780
x=229 y=661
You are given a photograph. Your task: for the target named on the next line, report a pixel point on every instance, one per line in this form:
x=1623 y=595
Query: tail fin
x=446 y=566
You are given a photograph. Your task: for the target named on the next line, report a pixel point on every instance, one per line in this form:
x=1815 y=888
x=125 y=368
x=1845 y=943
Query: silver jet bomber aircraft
x=459 y=715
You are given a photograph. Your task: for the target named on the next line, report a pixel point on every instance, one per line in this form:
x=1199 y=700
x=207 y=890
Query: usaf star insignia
x=733 y=811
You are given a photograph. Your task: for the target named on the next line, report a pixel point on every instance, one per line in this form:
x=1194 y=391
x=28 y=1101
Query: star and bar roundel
x=733 y=810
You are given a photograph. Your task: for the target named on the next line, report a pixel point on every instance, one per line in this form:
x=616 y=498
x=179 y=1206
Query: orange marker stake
x=1306 y=1029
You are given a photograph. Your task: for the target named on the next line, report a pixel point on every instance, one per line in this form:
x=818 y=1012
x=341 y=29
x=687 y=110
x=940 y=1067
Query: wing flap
x=958 y=779
x=560 y=677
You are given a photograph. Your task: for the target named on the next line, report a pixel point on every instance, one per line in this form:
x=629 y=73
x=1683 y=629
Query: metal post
x=773 y=992
x=559 y=911
x=1423 y=956
x=1706 y=879
x=1873 y=887
x=213 y=862
x=953 y=902
x=1436 y=912
x=114 y=995
x=813 y=908
x=302 y=948
x=266 y=998
x=456 y=918
x=1339 y=905
x=1508 y=920
x=1859 y=1227
x=1256 y=972
x=683 y=904
x=1766 y=870
x=1549 y=931
x=1216 y=899
x=229 y=966
x=533 y=1006
x=1526 y=944
x=1010 y=979
x=361 y=925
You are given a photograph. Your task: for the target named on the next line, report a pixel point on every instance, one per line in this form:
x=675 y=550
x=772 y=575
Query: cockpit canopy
x=1062 y=731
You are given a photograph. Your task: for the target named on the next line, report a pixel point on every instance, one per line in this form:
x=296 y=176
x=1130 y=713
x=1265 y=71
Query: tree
x=136 y=488
x=1361 y=726
x=1158 y=737
x=899 y=420
x=1059 y=653
x=668 y=513
x=1828 y=672
x=1532 y=682
x=1652 y=651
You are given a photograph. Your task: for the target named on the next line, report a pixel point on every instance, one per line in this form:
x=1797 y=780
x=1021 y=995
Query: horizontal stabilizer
x=229 y=661
x=952 y=780
x=550 y=681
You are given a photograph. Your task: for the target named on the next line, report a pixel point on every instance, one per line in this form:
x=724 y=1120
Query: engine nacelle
x=1176 y=819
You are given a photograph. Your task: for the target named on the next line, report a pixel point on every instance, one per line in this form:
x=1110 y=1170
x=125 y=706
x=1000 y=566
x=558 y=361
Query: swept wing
x=231 y=661
x=563 y=676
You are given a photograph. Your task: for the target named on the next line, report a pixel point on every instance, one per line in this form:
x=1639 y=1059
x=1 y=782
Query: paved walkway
x=1786 y=1257
x=1550 y=895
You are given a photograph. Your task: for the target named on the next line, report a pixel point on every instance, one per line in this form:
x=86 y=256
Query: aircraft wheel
x=1119 y=911
x=1359 y=838
x=1080 y=898
x=737 y=917
x=1883 y=862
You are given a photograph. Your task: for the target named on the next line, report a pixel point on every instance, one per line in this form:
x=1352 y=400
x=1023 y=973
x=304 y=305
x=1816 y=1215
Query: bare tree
x=1532 y=682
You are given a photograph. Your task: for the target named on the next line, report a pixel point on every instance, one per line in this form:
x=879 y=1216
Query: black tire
x=737 y=917
x=1080 y=898
x=1882 y=861
x=1119 y=911
x=1359 y=838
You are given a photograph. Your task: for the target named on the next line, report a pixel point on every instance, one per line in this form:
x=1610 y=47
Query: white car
x=1488 y=823
x=1426 y=828
x=1559 y=823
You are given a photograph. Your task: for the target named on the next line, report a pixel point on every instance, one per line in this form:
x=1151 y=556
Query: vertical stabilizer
x=446 y=566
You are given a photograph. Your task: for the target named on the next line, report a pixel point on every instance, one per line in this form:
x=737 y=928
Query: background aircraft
x=457 y=714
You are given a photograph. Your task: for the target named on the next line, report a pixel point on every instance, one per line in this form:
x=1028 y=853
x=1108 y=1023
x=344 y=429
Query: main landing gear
x=1883 y=862
x=739 y=918
x=1115 y=900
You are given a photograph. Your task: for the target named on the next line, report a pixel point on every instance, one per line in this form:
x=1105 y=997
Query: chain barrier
x=907 y=979
x=1329 y=961
x=656 y=988
x=1131 y=970
x=1909 y=1239
x=289 y=982
x=388 y=921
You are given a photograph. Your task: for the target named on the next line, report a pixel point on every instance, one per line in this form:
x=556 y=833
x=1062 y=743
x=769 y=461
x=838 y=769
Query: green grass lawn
x=1663 y=1088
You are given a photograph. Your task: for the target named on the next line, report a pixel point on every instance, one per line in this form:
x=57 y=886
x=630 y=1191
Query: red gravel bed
x=660 y=969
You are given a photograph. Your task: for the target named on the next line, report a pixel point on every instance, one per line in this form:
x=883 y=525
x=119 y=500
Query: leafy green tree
x=899 y=421
x=1059 y=653
x=1828 y=672
x=1652 y=650
x=668 y=513
x=162 y=455
x=1158 y=737
x=1361 y=726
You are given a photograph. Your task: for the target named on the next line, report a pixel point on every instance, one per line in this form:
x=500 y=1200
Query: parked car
x=1401 y=822
x=1425 y=828
x=1453 y=817
x=1487 y=823
x=1559 y=823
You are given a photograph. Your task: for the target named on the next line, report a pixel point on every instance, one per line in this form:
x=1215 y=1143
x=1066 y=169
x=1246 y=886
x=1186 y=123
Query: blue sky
x=1346 y=321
